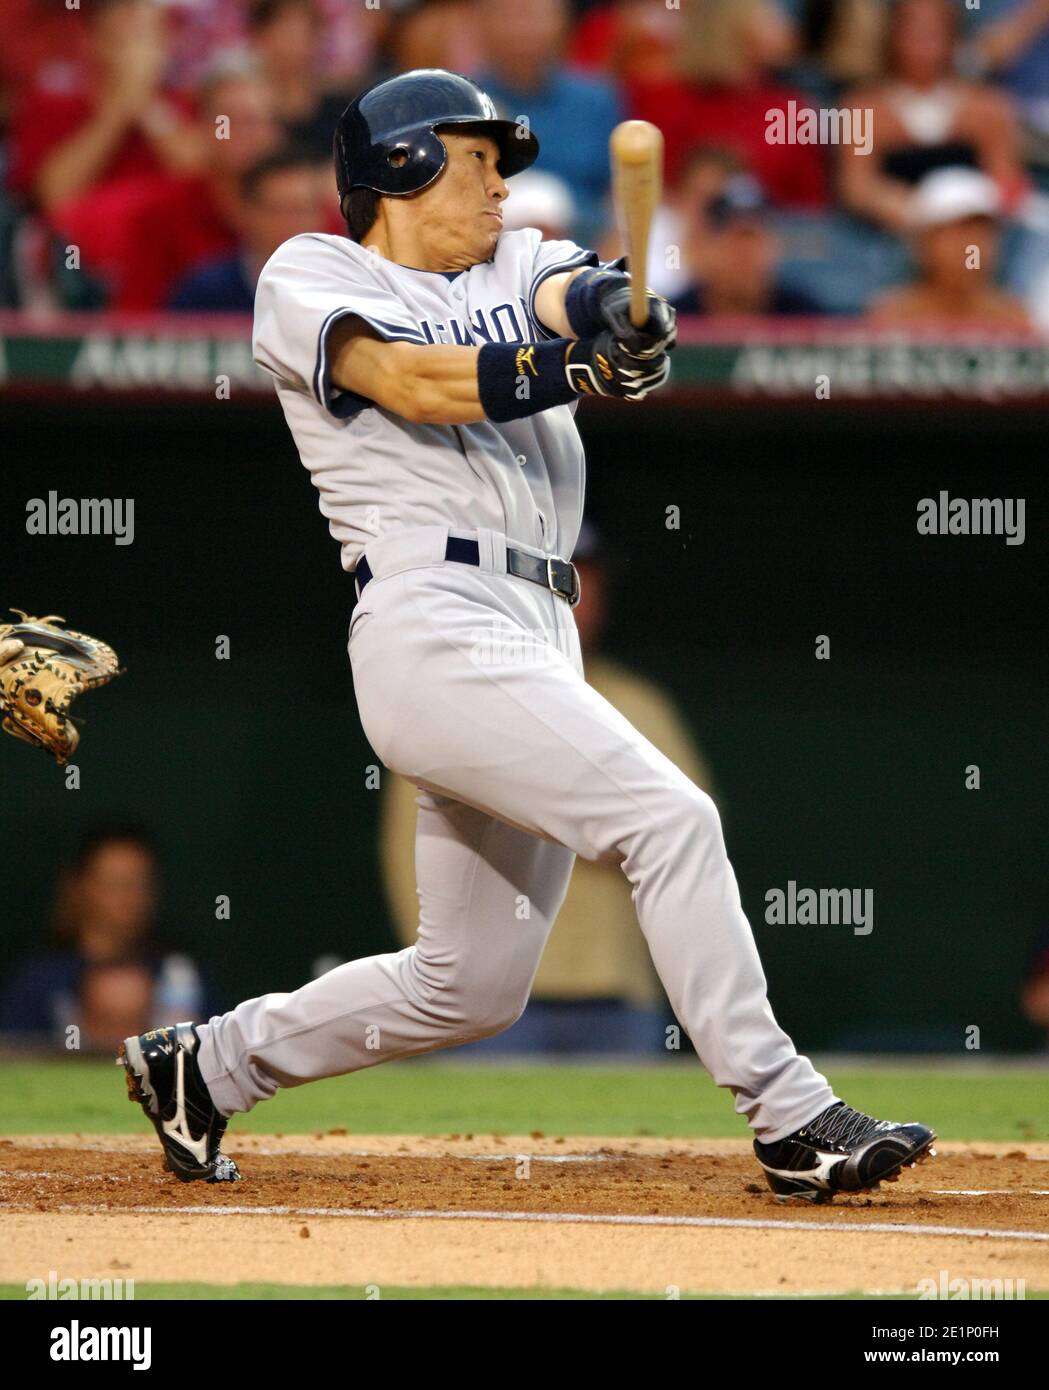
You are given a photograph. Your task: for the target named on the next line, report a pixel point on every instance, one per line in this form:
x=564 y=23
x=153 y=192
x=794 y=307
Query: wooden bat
x=636 y=148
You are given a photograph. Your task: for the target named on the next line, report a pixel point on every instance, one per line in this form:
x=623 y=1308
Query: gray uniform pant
x=469 y=682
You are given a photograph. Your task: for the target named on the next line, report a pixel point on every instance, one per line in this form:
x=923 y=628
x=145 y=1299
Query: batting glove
x=602 y=366
x=656 y=335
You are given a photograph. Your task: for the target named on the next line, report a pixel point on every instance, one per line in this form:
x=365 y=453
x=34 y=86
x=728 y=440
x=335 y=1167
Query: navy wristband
x=583 y=299
x=519 y=379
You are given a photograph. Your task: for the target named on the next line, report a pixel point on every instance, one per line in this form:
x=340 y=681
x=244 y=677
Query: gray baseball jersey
x=377 y=472
x=469 y=681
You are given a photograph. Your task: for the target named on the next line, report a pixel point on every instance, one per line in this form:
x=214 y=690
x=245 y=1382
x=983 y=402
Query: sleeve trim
x=576 y=263
x=323 y=388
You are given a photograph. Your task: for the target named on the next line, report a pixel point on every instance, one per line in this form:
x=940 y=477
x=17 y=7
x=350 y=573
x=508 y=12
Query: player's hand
x=656 y=335
x=602 y=366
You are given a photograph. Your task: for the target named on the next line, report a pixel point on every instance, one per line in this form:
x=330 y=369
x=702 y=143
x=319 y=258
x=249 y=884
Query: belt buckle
x=571 y=595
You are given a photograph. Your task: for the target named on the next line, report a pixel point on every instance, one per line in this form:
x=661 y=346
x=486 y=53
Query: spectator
x=1034 y=995
x=437 y=34
x=542 y=201
x=723 y=94
x=840 y=43
x=111 y=127
x=924 y=117
x=280 y=198
x=681 y=215
x=731 y=255
x=195 y=219
x=628 y=39
x=350 y=37
x=44 y=46
x=1011 y=44
x=596 y=990
x=105 y=975
x=286 y=36
x=956 y=214
x=573 y=115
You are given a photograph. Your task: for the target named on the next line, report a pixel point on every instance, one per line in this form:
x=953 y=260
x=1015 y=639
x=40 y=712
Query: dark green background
x=795 y=521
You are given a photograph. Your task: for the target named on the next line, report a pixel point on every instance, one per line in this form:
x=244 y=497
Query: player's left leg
x=488 y=896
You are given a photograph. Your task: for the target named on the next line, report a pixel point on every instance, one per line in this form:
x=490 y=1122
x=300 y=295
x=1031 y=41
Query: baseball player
x=429 y=365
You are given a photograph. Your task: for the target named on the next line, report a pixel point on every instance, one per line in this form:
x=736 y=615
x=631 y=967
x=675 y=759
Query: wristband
x=583 y=299
x=519 y=379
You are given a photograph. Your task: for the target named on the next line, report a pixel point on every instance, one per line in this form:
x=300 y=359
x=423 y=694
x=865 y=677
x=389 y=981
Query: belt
x=559 y=576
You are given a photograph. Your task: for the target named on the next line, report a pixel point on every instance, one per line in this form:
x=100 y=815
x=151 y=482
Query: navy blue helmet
x=386 y=139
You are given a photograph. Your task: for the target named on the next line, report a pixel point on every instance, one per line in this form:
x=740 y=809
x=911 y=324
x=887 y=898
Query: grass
x=82 y=1095
x=145 y=1293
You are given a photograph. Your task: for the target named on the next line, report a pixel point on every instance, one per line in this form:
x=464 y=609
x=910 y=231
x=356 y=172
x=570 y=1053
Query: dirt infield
x=494 y=1210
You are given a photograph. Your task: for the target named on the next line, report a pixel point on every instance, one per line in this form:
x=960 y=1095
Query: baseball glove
x=43 y=667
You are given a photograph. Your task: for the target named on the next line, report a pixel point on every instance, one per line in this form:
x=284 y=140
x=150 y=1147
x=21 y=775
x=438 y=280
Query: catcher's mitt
x=43 y=667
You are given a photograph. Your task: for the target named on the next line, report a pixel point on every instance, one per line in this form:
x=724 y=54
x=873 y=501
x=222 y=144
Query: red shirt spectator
x=41 y=42
x=181 y=226
x=188 y=221
x=722 y=93
x=733 y=118
x=49 y=116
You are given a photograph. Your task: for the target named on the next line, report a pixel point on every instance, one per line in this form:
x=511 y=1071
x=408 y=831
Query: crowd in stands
x=153 y=153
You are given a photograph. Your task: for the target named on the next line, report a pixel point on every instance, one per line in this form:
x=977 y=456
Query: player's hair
x=360 y=208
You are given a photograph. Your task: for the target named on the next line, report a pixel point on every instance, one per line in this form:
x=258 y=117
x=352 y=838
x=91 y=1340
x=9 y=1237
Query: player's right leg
x=497 y=714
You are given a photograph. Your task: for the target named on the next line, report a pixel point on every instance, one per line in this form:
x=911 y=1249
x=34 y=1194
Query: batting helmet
x=386 y=139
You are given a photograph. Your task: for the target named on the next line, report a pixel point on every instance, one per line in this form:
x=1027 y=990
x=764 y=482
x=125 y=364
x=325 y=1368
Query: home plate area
x=658 y=1216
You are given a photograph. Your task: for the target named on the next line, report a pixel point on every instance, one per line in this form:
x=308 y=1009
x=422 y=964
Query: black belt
x=559 y=576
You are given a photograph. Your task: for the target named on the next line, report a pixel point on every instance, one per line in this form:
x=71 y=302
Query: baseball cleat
x=841 y=1150
x=164 y=1078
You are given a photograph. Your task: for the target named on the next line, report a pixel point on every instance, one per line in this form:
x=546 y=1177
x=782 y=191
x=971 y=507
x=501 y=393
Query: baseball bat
x=636 y=149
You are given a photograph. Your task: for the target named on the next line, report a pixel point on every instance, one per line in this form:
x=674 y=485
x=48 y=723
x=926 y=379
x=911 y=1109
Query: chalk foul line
x=561 y=1218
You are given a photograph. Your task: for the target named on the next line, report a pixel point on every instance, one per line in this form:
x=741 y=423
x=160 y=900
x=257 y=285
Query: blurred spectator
x=105 y=974
x=724 y=93
x=1011 y=44
x=280 y=198
x=350 y=37
x=628 y=39
x=731 y=256
x=44 y=44
x=195 y=219
x=682 y=214
x=956 y=215
x=840 y=43
x=110 y=125
x=1034 y=996
x=572 y=114
x=925 y=117
x=437 y=34
x=596 y=989
x=286 y=36
x=542 y=201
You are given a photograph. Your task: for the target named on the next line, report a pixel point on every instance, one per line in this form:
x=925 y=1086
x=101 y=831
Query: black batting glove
x=658 y=334
x=602 y=366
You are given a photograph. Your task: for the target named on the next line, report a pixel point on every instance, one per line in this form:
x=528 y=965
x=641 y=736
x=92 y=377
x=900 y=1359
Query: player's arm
x=434 y=384
x=550 y=303
x=445 y=384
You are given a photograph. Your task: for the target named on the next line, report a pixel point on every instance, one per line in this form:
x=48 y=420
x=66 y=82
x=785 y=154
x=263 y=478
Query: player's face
x=459 y=217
